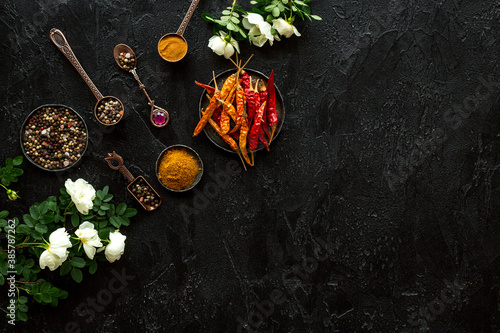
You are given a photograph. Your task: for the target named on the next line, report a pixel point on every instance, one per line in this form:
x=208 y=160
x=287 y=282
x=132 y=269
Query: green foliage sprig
x=30 y=241
x=9 y=174
x=276 y=20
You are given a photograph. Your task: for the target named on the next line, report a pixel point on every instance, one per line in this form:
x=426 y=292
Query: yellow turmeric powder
x=172 y=47
x=177 y=169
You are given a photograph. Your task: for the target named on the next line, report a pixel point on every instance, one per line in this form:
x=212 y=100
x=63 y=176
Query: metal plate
x=53 y=106
x=221 y=78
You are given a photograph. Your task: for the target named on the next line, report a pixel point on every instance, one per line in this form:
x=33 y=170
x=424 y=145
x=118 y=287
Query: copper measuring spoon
x=178 y=35
x=62 y=44
x=134 y=182
x=159 y=117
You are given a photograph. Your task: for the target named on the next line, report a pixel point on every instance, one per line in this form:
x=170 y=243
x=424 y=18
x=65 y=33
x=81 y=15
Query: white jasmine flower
x=89 y=238
x=82 y=194
x=57 y=252
x=259 y=30
x=221 y=46
x=284 y=28
x=116 y=246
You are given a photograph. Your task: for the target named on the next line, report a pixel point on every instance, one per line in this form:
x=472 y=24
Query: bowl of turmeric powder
x=179 y=168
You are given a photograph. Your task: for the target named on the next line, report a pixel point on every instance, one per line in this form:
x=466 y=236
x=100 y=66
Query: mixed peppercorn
x=54 y=137
x=127 y=60
x=144 y=193
x=109 y=111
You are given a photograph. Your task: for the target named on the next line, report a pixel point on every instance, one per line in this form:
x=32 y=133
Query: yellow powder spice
x=172 y=48
x=177 y=169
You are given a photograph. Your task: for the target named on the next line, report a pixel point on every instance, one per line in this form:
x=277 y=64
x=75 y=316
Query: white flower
x=116 y=246
x=89 y=238
x=82 y=194
x=259 y=29
x=284 y=28
x=221 y=46
x=57 y=252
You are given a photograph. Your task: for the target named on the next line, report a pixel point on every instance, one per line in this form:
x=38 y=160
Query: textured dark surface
x=385 y=178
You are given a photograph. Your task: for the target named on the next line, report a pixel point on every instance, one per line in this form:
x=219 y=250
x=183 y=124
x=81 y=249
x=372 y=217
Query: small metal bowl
x=193 y=153
x=54 y=106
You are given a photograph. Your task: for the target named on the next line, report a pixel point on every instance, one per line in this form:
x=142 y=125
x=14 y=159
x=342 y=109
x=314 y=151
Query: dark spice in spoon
x=127 y=60
x=144 y=193
x=109 y=110
x=54 y=137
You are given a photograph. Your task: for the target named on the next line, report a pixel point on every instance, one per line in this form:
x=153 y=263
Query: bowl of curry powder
x=179 y=168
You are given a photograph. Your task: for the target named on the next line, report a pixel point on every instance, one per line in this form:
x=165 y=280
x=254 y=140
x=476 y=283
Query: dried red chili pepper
x=272 y=116
x=253 y=136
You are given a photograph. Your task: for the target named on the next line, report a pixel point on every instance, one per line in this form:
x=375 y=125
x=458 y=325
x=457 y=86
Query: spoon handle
x=141 y=85
x=188 y=16
x=62 y=44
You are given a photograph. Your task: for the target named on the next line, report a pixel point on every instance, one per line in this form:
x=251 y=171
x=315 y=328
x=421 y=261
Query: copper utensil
x=159 y=117
x=180 y=31
x=62 y=44
x=133 y=181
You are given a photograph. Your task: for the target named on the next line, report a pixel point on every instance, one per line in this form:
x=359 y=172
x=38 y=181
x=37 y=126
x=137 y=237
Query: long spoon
x=126 y=59
x=108 y=109
x=166 y=47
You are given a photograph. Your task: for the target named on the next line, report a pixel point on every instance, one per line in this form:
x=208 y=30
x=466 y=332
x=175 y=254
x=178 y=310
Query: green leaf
x=38 y=297
x=4 y=214
x=45 y=287
x=78 y=262
x=231 y=26
x=208 y=18
x=22 y=307
x=101 y=212
x=75 y=220
x=108 y=198
x=65 y=268
x=130 y=212
x=103 y=224
x=44 y=208
x=276 y=12
x=18 y=160
x=77 y=275
x=121 y=208
x=235 y=20
x=29 y=263
x=93 y=268
x=22 y=316
x=9 y=163
x=316 y=17
x=23 y=299
x=115 y=221
x=63 y=294
x=54 y=302
x=36 y=235
x=124 y=220
x=46 y=298
x=105 y=191
x=226 y=12
x=35 y=212
x=3 y=223
x=23 y=229
x=41 y=228
x=30 y=222
x=105 y=206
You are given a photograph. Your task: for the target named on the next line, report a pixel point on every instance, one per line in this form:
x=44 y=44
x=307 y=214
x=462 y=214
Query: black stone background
x=378 y=160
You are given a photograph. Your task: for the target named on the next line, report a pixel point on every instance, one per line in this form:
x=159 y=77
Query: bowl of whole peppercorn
x=54 y=137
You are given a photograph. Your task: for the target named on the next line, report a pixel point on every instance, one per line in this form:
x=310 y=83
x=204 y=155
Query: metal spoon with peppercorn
x=126 y=59
x=108 y=109
x=138 y=187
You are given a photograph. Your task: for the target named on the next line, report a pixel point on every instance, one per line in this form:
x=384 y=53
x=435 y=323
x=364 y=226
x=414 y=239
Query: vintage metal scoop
x=138 y=187
x=126 y=59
